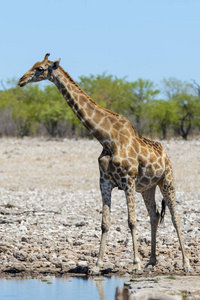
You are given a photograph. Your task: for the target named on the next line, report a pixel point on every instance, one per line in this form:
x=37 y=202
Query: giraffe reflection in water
x=99 y=284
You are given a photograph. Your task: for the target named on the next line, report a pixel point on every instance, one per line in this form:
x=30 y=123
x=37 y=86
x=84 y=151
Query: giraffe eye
x=40 y=69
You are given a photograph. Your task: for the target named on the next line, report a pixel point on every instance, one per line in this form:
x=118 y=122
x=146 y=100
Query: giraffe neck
x=91 y=115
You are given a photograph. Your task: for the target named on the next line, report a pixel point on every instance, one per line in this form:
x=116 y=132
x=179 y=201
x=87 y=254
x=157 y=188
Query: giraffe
x=128 y=161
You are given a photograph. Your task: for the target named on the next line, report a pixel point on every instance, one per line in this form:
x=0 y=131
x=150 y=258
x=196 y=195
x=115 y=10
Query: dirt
x=50 y=212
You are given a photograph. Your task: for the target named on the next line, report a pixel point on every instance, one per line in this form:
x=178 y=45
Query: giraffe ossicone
x=128 y=160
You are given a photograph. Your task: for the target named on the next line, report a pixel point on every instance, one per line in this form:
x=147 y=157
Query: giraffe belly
x=145 y=179
x=143 y=184
x=122 y=180
x=123 y=172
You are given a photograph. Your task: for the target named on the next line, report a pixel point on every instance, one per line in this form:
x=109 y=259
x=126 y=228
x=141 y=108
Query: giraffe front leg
x=130 y=197
x=106 y=198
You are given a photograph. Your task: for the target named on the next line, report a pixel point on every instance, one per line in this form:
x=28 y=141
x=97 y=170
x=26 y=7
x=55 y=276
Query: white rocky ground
x=50 y=210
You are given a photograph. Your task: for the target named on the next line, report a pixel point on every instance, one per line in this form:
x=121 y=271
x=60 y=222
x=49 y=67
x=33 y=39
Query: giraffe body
x=128 y=161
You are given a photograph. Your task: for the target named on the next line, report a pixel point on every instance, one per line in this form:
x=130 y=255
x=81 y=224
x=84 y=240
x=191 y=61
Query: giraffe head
x=40 y=71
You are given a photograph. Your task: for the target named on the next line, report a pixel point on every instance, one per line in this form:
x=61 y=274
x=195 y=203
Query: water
x=59 y=288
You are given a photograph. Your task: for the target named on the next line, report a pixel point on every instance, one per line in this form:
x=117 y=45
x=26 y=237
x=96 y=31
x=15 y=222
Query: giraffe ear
x=55 y=64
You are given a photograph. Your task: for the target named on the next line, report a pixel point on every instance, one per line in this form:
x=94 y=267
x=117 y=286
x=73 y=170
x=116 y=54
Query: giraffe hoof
x=137 y=267
x=186 y=266
x=151 y=263
x=94 y=271
x=149 y=267
x=137 y=271
x=187 y=269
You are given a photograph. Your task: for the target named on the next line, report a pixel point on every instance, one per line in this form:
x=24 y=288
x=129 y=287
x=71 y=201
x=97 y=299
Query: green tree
x=140 y=93
x=160 y=115
x=186 y=106
x=183 y=95
x=119 y=95
x=53 y=110
x=106 y=90
x=56 y=115
x=23 y=111
x=22 y=104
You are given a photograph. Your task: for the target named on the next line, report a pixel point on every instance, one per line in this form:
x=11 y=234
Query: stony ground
x=50 y=211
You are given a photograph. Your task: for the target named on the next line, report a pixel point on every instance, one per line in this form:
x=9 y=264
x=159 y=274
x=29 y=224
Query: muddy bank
x=160 y=287
x=50 y=211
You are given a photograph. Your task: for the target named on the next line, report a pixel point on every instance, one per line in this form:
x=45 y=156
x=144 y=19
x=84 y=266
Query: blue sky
x=149 y=39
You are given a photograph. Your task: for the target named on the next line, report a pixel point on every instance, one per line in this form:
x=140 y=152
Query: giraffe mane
x=86 y=95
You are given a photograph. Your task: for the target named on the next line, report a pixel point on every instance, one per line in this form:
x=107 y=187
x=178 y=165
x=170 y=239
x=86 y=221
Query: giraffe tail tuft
x=163 y=211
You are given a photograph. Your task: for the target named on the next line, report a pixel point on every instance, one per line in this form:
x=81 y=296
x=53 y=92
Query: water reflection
x=99 y=284
x=60 y=288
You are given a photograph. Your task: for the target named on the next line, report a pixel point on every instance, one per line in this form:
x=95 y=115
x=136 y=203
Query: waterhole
x=59 y=288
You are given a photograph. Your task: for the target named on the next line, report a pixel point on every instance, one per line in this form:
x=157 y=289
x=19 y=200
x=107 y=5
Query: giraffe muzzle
x=22 y=82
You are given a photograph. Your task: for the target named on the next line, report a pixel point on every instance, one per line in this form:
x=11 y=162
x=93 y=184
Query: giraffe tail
x=163 y=211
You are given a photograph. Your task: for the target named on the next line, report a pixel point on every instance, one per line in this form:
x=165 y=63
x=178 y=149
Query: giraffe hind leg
x=168 y=192
x=162 y=211
x=130 y=197
x=149 y=200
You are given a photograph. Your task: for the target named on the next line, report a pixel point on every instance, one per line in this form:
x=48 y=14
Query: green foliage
x=186 y=106
x=141 y=93
x=120 y=95
x=52 y=110
x=186 y=103
x=23 y=104
x=160 y=115
x=108 y=91
x=24 y=111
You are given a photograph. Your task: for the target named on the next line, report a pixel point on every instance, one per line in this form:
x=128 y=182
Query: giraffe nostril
x=22 y=82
